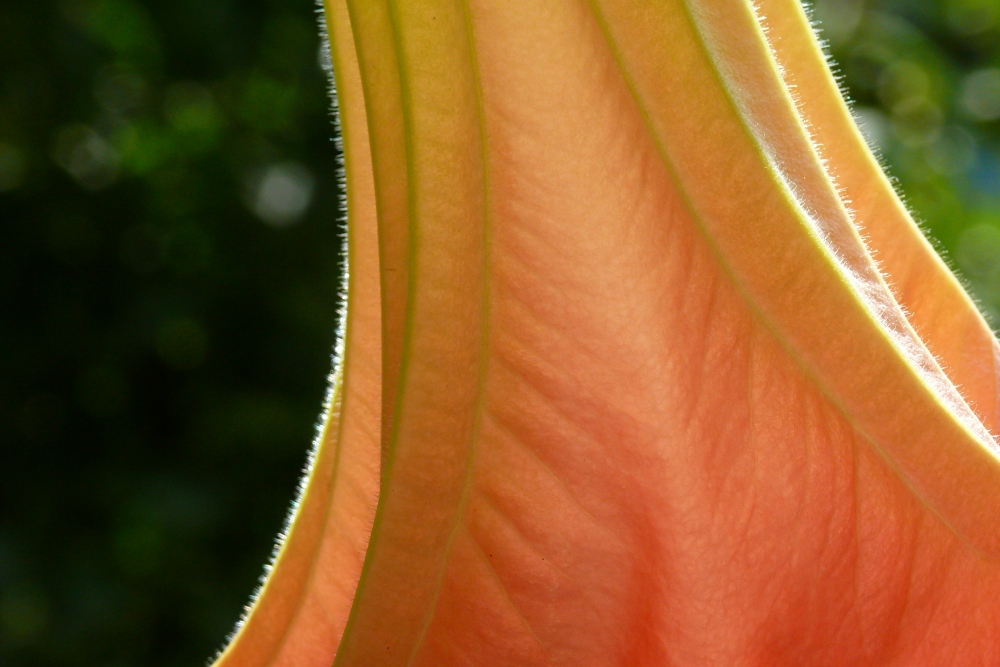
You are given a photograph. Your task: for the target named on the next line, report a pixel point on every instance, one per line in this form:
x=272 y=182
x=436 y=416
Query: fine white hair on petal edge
x=334 y=378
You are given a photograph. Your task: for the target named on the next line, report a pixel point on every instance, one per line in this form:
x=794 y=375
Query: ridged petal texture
x=620 y=370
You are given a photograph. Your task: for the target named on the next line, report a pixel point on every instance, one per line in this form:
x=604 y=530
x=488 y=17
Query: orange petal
x=646 y=397
x=656 y=404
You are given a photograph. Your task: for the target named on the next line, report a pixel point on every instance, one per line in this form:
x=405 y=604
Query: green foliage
x=169 y=258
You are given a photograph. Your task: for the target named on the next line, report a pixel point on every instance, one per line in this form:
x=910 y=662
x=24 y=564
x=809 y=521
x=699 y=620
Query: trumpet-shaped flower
x=622 y=382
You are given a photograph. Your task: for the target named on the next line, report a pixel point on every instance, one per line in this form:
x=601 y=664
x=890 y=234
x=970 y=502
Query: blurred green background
x=169 y=268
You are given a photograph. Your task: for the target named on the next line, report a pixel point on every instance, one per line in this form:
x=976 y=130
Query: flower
x=622 y=383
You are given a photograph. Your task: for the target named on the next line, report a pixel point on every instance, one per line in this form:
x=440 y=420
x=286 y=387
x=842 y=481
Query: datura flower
x=644 y=362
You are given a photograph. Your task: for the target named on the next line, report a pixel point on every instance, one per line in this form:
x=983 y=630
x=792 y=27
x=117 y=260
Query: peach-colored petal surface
x=647 y=397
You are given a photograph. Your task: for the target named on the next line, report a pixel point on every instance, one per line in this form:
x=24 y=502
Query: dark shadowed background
x=169 y=252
